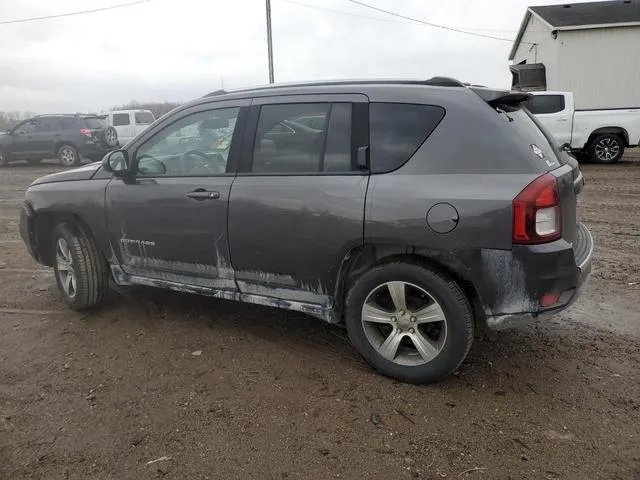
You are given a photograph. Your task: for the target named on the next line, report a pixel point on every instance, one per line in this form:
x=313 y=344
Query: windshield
x=96 y=122
x=144 y=118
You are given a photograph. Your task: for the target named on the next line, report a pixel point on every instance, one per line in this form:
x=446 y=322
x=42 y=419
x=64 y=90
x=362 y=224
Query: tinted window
x=144 y=118
x=68 y=123
x=95 y=123
x=45 y=125
x=299 y=138
x=197 y=144
x=397 y=130
x=541 y=104
x=26 y=127
x=120 y=119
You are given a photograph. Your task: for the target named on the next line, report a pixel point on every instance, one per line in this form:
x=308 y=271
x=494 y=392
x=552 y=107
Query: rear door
x=555 y=112
x=297 y=205
x=122 y=122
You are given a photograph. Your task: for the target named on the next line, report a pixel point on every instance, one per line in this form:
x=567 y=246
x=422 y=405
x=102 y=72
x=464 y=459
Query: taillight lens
x=85 y=131
x=536 y=212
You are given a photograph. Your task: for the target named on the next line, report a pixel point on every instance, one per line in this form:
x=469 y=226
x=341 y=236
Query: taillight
x=85 y=131
x=536 y=212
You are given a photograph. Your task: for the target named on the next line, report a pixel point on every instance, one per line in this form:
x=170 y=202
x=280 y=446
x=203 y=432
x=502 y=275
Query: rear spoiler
x=501 y=97
x=492 y=97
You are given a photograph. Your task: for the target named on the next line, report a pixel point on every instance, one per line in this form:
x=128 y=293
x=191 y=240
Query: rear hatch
x=94 y=127
x=543 y=150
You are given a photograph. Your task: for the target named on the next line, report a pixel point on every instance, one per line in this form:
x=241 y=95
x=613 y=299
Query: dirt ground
x=226 y=390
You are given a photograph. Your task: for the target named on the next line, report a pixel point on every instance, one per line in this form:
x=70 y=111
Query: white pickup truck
x=597 y=135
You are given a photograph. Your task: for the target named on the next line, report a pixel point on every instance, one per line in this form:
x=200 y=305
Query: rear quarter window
x=545 y=104
x=397 y=130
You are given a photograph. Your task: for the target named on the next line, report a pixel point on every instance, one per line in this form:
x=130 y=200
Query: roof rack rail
x=444 y=82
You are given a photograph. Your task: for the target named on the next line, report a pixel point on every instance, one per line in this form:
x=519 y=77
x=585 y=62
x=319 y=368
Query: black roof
x=590 y=13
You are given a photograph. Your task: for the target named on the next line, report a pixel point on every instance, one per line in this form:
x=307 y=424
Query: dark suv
x=412 y=212
x=70 y=138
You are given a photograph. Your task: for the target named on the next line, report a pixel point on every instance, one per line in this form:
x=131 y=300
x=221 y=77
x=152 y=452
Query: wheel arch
x=364 y=257
x=44 y=225
x=621 y=132
x=61 y=143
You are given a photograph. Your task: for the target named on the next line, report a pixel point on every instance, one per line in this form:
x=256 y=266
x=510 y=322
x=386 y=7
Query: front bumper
x=27 y=229
x=568 y=282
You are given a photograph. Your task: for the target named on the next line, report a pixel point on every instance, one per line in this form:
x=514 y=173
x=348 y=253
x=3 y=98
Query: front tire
x=79 y=267
x=68 y=156
x=410 y=322
x=606 y=148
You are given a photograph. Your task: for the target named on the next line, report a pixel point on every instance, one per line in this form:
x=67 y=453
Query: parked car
x=129 y=123
x=70 y=138
x=597 y=135
x=398 y=218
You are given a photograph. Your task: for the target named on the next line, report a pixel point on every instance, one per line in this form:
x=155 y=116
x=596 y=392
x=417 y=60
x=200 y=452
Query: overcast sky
x=178 y=49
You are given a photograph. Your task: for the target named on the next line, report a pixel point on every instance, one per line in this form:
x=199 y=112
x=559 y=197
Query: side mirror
x=116 y=162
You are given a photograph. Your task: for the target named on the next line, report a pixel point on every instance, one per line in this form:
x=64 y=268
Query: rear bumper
x=558 y=268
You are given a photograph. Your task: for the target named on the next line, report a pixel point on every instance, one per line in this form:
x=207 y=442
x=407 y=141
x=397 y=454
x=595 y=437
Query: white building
x=590 y=49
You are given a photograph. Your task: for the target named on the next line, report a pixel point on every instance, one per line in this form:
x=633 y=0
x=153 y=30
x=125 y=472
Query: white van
x=129 y=123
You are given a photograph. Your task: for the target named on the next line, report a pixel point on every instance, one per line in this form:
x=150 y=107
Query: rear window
x=144 y=118
x=120 y=119
x=95 y=123
x=545 y=104
x=527 y=129
x=397 y=130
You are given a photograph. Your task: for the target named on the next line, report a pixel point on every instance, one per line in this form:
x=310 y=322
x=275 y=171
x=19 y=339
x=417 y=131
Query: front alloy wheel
x=65 y=269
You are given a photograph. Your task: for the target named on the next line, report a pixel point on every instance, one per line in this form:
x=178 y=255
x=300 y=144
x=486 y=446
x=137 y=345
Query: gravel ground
x=221 y=390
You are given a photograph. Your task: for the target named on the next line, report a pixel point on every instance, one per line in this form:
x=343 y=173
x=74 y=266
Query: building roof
x=590 y=13
x=582 y=16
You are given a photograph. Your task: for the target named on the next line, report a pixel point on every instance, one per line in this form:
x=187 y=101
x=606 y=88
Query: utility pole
x=269 y=41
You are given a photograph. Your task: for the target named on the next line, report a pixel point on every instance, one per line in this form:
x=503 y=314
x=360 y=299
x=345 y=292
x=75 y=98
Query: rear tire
x=420 y=339
x=606 y=148
x=68 y=156
x=79 y=267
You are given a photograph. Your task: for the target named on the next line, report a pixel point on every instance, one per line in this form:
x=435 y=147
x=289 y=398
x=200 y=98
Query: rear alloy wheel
x=80 y=269
x=606 y=148
x=409 y=322
x=68 y=156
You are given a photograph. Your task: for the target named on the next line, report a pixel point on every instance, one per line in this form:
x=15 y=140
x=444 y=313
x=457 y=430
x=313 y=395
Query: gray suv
x=407 y=211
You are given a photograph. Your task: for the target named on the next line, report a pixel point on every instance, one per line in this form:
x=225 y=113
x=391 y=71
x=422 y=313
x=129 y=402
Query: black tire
x=458 y=319
x=606 y=148
x=88 y=265
x=68 y=156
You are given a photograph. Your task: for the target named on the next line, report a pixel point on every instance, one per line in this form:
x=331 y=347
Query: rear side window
x=303 y=138
x=541 y=104
x=45 y=125
x=120 y=119
x=144 y=118
x=397 y=130
x=68 y=123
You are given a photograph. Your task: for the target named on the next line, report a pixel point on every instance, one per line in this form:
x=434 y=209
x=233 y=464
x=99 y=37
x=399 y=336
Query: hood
x=81 y=173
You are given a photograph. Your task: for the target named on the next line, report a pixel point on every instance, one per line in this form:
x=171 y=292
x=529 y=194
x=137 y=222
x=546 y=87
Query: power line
x=70 y=14
x=435 y=25
x=351 y=14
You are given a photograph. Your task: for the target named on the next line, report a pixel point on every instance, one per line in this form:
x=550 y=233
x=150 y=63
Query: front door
x=169 y=222
x=22 y=141
x=297 y=205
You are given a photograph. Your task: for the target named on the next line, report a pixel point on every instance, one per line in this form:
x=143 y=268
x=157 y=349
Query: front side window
x=45 y=125
x=197 y=144
x=26 y=127
x=545 y=104
x=303 y=138
x=397 y=130
x=144 y=118
x=120 y=119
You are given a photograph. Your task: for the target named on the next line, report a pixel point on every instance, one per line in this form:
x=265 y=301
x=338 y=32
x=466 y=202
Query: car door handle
x=202 y=194
x=563 y=120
